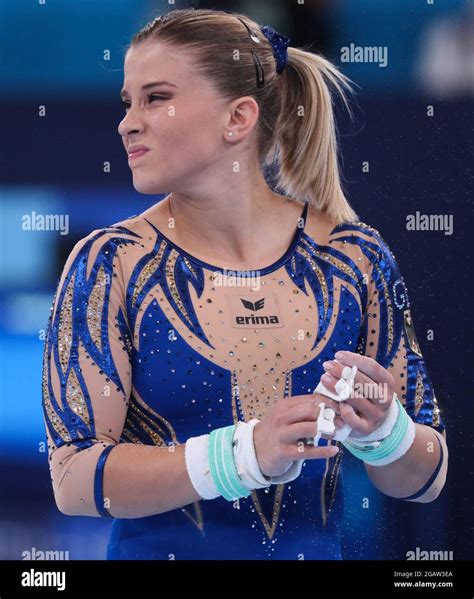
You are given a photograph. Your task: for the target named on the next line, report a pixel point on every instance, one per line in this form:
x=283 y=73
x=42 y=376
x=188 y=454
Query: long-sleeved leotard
x=148 y=344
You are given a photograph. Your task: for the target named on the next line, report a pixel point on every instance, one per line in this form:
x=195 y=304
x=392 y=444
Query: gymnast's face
x=181 y=122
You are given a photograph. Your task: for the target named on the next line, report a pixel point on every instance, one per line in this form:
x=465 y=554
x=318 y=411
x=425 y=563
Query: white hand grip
x=344 y=388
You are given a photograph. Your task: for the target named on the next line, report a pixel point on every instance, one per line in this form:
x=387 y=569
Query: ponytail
x=307 y=150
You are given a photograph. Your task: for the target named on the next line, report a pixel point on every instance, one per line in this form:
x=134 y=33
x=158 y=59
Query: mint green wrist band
x=222 y=465
x=388 y=445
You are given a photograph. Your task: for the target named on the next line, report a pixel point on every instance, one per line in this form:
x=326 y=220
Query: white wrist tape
x=392 y=447
x=401 y=450
x=245 y=459
x=196 y=453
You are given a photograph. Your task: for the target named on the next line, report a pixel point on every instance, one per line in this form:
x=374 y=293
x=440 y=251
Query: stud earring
x=230 y=133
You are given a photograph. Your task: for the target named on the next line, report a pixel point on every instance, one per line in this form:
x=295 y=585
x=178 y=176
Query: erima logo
x=254 y=306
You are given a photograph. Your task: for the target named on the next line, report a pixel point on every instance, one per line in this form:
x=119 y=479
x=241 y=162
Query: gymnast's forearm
x=142 y=480
x=408 y=474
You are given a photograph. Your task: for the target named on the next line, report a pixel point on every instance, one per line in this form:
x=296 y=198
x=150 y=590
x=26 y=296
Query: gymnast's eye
x=151 y=98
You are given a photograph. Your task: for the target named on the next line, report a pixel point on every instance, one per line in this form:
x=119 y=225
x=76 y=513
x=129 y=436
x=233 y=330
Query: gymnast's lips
x=137 y=151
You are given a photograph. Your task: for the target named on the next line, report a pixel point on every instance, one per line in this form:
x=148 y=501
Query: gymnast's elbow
x=74 y=484
x=65 y=504
x=432 y=489
x=71 y=504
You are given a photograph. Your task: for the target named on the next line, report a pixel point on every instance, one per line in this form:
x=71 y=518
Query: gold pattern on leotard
x=95 y=307
x=65 y=326
x=318 y=272
x=410 y=332
x=389 y=309
x=190 y=266
x=170 y=279
x=194 y=513
x=435 y=412
x=141 y=419
x=148 y=272
x=75 y=397
x=56 y=422
x=330 y=482
x=419 y=392
x=339 y=264
x=269 y=528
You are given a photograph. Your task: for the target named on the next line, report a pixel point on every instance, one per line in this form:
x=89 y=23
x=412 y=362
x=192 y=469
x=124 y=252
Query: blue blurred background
x=68 y=58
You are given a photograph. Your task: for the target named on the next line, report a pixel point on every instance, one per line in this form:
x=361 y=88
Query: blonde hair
x=296 y=129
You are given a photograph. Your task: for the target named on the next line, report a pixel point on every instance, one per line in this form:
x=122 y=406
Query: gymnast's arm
x=86 y=388
x=389 y=337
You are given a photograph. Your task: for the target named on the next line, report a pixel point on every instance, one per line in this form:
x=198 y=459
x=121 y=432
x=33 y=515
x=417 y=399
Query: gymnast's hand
x=278 y=436
x=370 y=400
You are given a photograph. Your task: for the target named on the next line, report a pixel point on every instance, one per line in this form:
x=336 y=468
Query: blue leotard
x=148 y=344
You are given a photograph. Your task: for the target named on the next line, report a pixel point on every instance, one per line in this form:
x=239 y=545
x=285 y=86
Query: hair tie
x=279 y=44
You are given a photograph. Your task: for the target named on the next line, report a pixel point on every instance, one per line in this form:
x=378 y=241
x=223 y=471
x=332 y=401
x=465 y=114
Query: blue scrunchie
x=280 y=44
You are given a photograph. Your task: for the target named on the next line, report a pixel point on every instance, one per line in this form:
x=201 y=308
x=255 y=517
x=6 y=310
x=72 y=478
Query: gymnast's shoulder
x=342 y=236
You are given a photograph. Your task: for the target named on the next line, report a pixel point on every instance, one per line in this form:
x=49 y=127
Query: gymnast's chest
x=229 y=349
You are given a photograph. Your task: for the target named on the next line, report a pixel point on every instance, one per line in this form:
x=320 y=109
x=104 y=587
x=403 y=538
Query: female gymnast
x=185 y=344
